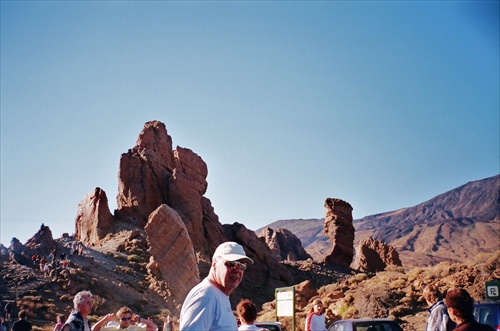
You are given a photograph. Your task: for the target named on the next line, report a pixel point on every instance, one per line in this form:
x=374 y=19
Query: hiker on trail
x=78 y=321
x=127 y=322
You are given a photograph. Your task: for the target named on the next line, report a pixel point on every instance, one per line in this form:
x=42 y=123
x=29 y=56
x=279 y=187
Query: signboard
x=284 y=302
x=493 y=290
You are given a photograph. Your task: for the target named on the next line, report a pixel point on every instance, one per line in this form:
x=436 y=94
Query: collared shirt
x=438 y=317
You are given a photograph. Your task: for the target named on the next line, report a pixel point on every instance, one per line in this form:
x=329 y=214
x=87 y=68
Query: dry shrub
x=398 y=284
x=414 y=274
x=358 y=278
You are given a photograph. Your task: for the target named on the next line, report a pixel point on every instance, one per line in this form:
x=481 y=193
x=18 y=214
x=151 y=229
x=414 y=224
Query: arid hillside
x=452 y=226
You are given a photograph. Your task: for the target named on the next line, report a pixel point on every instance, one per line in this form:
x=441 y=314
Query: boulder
x=340 y=230
x=172 y=251
x=373 y=255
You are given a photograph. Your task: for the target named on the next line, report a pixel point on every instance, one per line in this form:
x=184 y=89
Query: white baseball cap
x=231 y=251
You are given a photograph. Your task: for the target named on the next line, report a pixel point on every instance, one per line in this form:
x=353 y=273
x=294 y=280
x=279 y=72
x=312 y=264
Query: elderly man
x=78 y=321
x=126 y=322
x=207 y=305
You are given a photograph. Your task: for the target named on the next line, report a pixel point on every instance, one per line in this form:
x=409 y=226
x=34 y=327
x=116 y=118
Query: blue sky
x=384 y=104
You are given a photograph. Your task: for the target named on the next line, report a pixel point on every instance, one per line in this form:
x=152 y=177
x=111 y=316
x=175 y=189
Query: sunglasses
x=126 y=318
x=235 y=264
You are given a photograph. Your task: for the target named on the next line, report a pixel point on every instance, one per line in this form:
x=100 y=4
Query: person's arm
x=150 y=326
x=108 y=318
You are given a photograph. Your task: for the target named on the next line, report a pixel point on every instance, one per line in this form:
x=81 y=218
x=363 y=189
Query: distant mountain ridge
x=452 y=226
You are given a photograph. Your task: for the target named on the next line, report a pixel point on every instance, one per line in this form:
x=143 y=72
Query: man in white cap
x=207 y=305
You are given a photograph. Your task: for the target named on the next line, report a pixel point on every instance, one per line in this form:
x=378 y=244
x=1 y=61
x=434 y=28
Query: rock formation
x=42 y=242
x=144 y=174
x=266 y=273
x=93 y=219
x=161 y=191
x=172 y=251
x=339 y=229
x=284 y=245
x=373 y=255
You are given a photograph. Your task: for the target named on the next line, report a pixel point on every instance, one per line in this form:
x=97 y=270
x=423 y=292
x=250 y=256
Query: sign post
x=285 y=303
x=493 y=290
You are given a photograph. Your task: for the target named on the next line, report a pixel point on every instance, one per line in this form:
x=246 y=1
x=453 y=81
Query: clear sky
x=384 y=104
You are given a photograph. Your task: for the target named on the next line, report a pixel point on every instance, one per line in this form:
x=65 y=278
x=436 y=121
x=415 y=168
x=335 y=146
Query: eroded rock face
x=93 y=219
x=339 y=229
x=172 y=251
x=42 y=242
x=187 y=185
x=144 y=174
x=373 y=255
x=266 y=272
x=285 y=245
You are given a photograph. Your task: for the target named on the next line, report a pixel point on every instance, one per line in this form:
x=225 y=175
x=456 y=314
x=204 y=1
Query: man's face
x=228 y=274
x=125 y=320
x=85 y=306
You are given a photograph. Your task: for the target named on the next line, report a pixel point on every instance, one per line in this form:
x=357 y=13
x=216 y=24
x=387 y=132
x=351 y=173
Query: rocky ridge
x=133 y=255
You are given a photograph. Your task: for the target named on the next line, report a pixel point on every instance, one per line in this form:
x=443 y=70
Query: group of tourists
x=207 y=306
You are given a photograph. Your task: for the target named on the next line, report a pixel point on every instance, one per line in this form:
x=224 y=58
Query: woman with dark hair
x=461 y=310
x=247 y=313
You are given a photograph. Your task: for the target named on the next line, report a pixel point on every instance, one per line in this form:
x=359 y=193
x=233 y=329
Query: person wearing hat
x=207 y=305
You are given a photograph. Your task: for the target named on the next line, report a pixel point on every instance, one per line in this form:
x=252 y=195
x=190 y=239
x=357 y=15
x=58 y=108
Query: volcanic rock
x=144 y=174
x=285 y=245
x=339 y=229
x=373 y=255
x=172 y=251
x=93 y=219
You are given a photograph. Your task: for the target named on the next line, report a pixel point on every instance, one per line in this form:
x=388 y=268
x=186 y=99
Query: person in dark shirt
x=22 y=323
x=461 y=310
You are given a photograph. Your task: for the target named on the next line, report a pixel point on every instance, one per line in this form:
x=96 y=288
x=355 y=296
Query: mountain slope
x=452 y=226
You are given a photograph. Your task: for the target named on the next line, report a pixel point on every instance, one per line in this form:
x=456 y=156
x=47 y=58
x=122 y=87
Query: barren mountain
x=452 y=226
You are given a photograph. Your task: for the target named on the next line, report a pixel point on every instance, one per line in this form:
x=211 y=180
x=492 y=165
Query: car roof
x=273 y=323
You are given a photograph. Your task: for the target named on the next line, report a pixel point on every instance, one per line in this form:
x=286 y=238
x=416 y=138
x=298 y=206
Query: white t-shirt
x=250 y=327
x=131 y=327
x=316 y=322
x=207 y=308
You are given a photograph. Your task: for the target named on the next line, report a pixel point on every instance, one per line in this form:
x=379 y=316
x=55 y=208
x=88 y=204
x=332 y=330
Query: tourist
x=60 y=322
x=8 y=310
x=247 y=313
x=461 y=310
x=168 y=325
x=78 y=321
x=438 y=319
x=207 y=305
x=127 y=322
x=315 y=320
x=22 y=323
